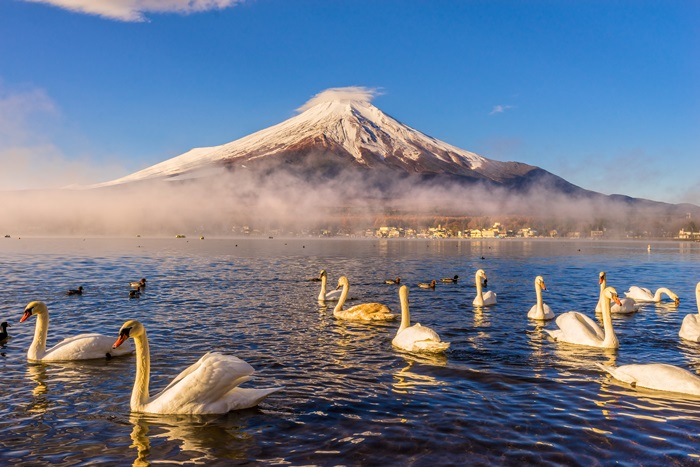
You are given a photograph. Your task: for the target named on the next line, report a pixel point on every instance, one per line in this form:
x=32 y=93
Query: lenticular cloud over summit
x=359 y=94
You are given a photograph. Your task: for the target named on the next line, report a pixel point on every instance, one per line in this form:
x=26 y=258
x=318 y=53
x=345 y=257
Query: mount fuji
x=346 y=133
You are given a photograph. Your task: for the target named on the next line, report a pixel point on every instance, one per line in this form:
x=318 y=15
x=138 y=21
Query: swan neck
x=610 y=337
x=322 y=295
x=38 y=348
x=697 y=298
x=479 y=293
x=540 y=306
x=405 y=313
x=139 y=396
x=343 y=296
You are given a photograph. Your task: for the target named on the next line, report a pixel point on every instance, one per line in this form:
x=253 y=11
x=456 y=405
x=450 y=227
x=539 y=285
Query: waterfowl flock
x=212 y=384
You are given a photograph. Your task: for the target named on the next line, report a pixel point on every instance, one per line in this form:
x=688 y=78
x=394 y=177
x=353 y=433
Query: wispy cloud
x=135 y=10
x=349 y=93
x=499 y=109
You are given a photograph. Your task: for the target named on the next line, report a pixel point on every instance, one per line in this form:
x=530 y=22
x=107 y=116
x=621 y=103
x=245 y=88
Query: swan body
x=209 y=386
x=690 y=329
x=657 y=376
x=450 y=279
x=577 y=328
x=415 y=338
x=361 y=312
x=80 y=347
x=140 y=283
x=427 y=285
x=482 y=298
x=3 y=331
x=626 y=306
x=323 y=296
x=644 y=295
x=540 y=310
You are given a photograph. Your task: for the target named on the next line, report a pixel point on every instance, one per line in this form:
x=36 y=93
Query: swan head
x=539 y=282
x=32 y=309
x=403 y=292
x=611 y=294
x=601 y=277
x=322 y=274
x=129 y=329
x=343 y=281
x=480 y=274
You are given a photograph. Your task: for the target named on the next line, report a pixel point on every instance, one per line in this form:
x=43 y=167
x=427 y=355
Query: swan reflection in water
x=189 y=439
x=37 y=374
x=412 y=379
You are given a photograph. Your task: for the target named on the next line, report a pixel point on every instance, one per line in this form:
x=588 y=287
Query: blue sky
x=603 y=93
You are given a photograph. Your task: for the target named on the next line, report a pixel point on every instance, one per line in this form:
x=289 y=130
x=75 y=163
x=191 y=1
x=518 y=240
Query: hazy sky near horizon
x=602 y=93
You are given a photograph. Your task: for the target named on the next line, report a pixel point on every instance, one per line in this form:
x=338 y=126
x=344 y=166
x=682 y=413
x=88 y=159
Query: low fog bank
x=349 y=202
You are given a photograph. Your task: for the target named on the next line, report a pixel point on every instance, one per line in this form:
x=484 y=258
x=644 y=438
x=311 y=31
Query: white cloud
x=499 y=109
x=349 y=94
x=135 y=10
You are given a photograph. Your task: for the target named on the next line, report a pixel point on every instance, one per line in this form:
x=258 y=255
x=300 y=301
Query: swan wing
x=658 y=376
x=366 y=312
x=489 y=298
x=209 y=386
x=419 y=338
x=333 y=295
x=690 y=329
x=639 y=294
x=535 y=314
x=577 y=328
x=86 y=347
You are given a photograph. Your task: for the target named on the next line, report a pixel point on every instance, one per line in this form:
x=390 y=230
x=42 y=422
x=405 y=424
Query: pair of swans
x=690 y=329
x=644 y=295
x=626 y=306
x=661 y=376
x=540 y=311
x=209 y=386
x=361 y=312
x=80 y=347
x=482 y=298
x=577 y=328
x=415 y=338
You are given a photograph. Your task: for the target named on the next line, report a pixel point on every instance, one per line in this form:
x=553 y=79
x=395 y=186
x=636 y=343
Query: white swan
x=626 y=306
x=361 y=312
x=415 y=338
x=323 y=296
x=487 y=298
x=644 y=295
x=577 y=328
x=209 y=386
x=540 y=310
x=690 y=329
x=80 y=347
x=658 y=376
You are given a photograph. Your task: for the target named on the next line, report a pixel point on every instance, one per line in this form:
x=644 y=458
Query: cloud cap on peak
x=347 y=94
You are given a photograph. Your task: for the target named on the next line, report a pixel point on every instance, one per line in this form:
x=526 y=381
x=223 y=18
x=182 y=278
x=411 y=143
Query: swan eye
x=125 y=332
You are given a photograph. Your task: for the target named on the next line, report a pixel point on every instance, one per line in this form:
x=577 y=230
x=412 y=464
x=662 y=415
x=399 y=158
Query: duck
x=134 y=293
x=323 y=296
x=540 y=310
x=656 y=376
x=393 y=281
x=450 y=279
x=78 y=291
x=644 y=295
x=626 y=306
x=577 y=328
x=690 y=329
x=361 y=312
x=140 y=283
x=487 y=298
x=3 y=332
x=415 y=338
x=209 y=386
x=80 y=347
x=427 y=285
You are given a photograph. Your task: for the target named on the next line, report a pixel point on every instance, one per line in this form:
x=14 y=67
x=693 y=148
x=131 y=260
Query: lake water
x=504 y=393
